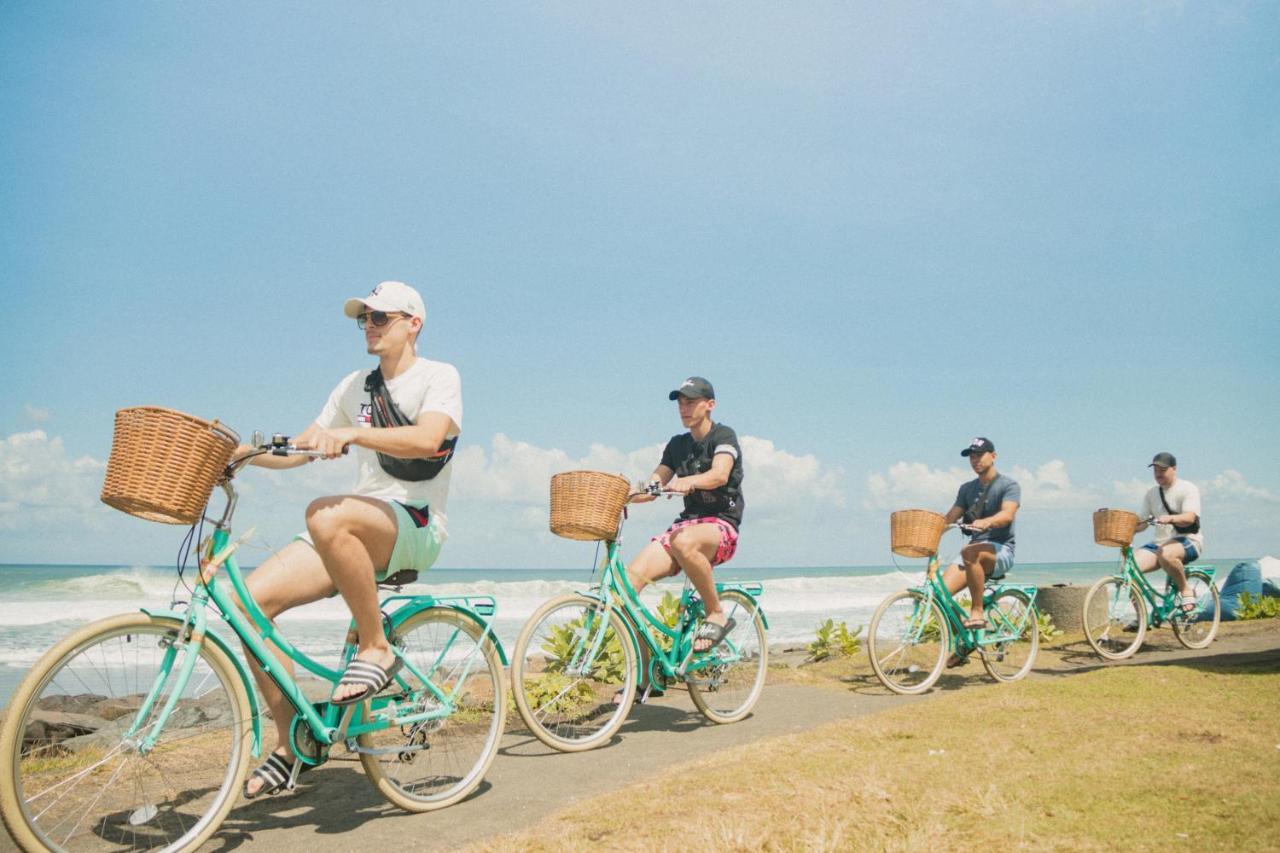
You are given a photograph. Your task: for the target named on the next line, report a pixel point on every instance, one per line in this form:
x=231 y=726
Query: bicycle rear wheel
x=1198 y=629
x=726 y=691
x=573 y=673
x=1115 y=618
x=1013 y=624
x=76 y=779
x=434 y=763
x=907 y=642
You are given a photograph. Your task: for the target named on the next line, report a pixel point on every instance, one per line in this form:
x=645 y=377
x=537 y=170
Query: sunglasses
x=377 y=319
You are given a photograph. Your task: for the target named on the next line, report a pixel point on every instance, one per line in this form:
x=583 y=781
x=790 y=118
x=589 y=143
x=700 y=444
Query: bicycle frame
x=328 y=723
x=616 y=593
x=964 y=639
x=1160 y=606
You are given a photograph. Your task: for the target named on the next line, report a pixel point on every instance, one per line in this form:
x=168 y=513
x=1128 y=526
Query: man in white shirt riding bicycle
x=403 y=420
x=1175 y=506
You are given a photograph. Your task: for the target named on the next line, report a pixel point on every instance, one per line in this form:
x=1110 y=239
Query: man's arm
x=407 y=442
x=1003 y=518
x=661 y=475
x=954 y=514
x=717 y=476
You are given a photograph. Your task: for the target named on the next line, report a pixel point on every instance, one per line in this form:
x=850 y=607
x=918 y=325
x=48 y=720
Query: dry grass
x=1121 y=758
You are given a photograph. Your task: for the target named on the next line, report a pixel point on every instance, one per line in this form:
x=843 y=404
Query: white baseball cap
x=390 y=296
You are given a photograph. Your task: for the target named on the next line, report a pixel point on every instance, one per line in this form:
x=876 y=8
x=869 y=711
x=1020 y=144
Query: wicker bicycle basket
x=585 y=505
x=1114 y=527
x=915 y=532
x=164 y=464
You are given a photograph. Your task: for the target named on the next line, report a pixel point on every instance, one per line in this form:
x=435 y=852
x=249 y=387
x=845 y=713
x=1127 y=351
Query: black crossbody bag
x=385 y=413
x=1193 y=527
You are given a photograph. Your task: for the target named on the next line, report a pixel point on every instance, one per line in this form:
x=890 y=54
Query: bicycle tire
x=1198 y=632
x=727 y=692
x=459 y=748
x=908 y=648
x=1011 y=615
x=1114 y=617
x=110 y=793
x=569 y=704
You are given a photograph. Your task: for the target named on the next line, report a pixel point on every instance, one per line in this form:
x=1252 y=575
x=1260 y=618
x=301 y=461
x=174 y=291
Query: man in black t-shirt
x=706 y=464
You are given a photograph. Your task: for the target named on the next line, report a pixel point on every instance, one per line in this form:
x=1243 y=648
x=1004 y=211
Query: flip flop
x=713 y=632
x=976 y=624
x=274 y=773
x=1187 y=605
x=370 y=676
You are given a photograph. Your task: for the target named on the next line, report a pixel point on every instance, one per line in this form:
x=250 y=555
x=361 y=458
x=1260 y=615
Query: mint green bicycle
x=135 y=731
x=913 y=632
x=1118 y=609
x=579 y=658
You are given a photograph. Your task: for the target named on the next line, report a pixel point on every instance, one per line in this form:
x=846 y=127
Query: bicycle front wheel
x=1197 y=630
x=727 y=690
x=1115 y=618
x=433 y=763
x=907 y=642
x=573 y=673
x=88 y=764
x=1016 y=634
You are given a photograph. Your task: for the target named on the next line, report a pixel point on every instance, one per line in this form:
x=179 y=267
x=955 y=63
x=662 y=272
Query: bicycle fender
x=404 y=612
x=754 y=600
x=247 y=680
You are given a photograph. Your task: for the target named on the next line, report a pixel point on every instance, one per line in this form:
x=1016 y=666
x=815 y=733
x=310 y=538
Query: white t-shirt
x=427 y=386
x=1182 y=497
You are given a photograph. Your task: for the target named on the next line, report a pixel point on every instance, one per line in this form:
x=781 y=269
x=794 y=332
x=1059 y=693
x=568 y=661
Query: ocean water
x=40 y=604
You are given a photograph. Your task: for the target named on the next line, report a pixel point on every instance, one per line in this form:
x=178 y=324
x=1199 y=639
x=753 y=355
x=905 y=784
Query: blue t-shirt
x=976 y=505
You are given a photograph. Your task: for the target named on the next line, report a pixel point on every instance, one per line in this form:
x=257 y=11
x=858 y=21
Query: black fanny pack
x=1193 y=527
x=384 y=413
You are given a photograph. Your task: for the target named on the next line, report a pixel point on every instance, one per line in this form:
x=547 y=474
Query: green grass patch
x=1150 y=757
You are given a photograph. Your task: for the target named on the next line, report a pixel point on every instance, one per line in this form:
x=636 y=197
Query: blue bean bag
x=1245 y=577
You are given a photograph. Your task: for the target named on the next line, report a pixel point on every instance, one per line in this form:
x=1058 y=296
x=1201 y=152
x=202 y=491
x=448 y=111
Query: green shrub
x=1048 y=630
x=555 y=693
x=1258 y=607
x=834 y=640
x=563 y=643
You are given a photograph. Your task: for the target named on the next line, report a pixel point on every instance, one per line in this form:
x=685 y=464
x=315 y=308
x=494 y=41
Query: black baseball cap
x=1164 y=460
x=979 y=445
x=694 y=387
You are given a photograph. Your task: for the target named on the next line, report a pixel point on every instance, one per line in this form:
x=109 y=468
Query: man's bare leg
x=692 y=548
x=291 y=577
x=354 y=537
x=1170 y=558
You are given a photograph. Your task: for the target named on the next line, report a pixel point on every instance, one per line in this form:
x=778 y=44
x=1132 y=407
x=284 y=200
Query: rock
x=110 y=709
x=78 y=704
x=1064 y=603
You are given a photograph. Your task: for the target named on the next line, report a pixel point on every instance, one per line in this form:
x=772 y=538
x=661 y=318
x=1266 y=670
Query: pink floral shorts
x=728 y=537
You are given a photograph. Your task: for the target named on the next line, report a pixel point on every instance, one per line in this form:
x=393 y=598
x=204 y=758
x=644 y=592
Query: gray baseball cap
x=1164 y=460
x=695 y=387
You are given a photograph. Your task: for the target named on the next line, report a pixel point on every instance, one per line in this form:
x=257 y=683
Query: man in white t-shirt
x=1175 y=506
x=391 y=522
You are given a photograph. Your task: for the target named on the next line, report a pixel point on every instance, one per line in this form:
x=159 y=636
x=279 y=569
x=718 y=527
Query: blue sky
x=879 y=229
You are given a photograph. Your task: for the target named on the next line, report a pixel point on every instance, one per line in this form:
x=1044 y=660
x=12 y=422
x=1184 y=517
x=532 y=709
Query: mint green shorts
x=417 y=545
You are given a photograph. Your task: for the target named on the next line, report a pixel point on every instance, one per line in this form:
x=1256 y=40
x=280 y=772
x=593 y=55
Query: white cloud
x=908 y=485
x=1050 y=487
x=916 y=485
x=1230 y=487
x=41 y=485
x=35 y=414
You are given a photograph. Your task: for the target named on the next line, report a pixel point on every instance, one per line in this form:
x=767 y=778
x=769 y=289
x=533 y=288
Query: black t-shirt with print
x=687 y=456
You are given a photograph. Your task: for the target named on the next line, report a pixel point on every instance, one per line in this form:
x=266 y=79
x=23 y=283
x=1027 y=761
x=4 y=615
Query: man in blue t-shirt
x=987 y=504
